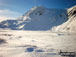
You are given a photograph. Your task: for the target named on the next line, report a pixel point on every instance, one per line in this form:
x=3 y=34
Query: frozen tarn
x=35 y=43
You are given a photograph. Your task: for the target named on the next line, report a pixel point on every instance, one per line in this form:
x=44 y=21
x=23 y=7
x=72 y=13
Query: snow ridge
x=70 y=24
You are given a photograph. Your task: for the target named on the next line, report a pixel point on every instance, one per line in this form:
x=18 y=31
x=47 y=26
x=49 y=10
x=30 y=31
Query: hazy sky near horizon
x=15 y=8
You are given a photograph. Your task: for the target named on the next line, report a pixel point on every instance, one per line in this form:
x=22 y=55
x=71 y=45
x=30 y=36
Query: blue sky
x=15 y=8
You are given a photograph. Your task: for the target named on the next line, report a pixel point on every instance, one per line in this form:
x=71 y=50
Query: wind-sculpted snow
x=16 y=43
x=38 y=18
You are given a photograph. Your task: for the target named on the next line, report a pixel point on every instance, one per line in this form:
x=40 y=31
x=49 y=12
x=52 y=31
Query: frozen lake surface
x=35 y=43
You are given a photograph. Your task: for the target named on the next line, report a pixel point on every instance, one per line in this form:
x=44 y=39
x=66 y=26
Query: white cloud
x=8 y=14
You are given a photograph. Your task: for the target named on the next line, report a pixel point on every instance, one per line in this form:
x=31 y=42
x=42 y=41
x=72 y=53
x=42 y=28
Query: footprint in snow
x=29 y=49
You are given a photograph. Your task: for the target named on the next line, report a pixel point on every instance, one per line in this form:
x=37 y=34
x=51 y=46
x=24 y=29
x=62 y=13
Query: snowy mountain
x=17 y=43
x=37 y=18
x=70 y=25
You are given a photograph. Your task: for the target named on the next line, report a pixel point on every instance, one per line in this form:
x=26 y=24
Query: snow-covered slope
x=70 y=25
x=38 y=18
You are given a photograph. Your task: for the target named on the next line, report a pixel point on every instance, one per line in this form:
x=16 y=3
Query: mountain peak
x=38 y=18
x=38 y=7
